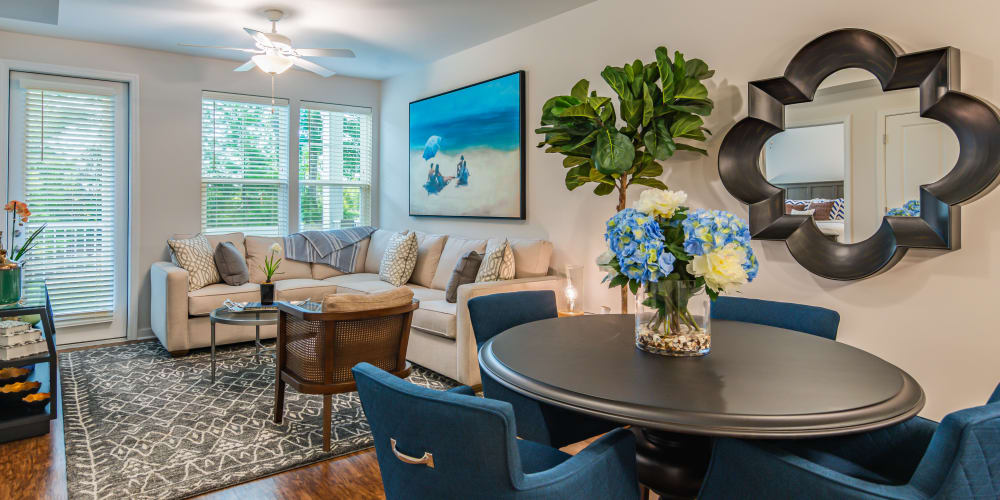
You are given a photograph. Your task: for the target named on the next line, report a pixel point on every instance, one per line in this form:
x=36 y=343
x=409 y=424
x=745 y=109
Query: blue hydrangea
x=637 y=241
x=909 y=209
x=708 y=229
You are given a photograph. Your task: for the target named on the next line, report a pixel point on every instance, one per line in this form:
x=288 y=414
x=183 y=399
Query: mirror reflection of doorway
x=926 y=147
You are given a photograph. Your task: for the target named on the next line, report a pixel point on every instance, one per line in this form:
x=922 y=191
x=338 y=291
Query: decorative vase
x=672 y=318
x=267 y=293
x=10 y=283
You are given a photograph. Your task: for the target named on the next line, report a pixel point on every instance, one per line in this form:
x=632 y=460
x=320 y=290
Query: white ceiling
x=389 y=36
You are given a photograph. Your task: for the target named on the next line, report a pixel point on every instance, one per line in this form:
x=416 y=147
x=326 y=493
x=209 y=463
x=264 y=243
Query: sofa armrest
x=468 y=358
x=168 y=308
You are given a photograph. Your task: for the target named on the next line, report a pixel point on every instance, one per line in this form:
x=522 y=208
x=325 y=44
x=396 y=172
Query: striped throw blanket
x=335 y=247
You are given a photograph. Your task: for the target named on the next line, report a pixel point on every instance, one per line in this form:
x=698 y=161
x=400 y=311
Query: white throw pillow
x=196 y=256
x=498 y=264
x=399 y=259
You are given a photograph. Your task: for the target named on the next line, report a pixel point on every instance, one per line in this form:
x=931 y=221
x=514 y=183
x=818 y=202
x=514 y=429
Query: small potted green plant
x=270 y=268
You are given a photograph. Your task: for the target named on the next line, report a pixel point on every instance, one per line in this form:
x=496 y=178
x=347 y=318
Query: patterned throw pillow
x=399 y=259
x=839 y=209
x=498 y=264
x=196 y=256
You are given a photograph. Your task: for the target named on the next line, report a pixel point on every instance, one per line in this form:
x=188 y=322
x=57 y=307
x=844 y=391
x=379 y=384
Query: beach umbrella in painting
x=431 y=147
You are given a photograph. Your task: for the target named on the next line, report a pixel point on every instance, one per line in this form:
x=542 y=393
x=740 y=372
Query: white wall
x=806 y=153
x=168 y=193
x=933 y=314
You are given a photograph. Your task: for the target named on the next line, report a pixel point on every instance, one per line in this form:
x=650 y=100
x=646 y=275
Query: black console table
x=14 y=427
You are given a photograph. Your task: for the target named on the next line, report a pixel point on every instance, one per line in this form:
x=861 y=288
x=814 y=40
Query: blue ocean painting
x=465 y=151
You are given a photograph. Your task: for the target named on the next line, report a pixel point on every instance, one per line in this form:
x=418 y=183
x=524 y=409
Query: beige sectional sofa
x=441 y=337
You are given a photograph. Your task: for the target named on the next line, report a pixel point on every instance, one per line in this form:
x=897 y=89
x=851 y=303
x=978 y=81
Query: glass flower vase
x=672 y=318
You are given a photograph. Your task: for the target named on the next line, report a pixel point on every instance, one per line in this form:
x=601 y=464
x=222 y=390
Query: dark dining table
x=758 y=382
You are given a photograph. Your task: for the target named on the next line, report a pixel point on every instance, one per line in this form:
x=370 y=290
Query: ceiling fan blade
x=325 y=52
x=259 y=37
x=247 y=66
x=249 y=51
x=311 y=66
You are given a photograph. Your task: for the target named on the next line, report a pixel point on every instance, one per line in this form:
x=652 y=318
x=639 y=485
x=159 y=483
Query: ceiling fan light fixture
x=273 y=64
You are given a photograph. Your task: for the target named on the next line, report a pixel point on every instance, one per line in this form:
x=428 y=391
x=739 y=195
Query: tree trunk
x=621 y=206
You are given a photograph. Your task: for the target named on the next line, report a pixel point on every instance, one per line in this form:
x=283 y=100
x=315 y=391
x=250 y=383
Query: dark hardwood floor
x=35 y=468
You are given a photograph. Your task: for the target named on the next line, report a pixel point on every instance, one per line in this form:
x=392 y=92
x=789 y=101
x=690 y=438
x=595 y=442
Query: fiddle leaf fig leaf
x=666 y=73
x=632 y=112
x=580 y=89
x=582 y=110
x=572 y=161
x=692 y=89
x=613 y=153
x=688 y=147
x=649 y=181
x=696 y=68
x=658 y=141
x=615 y=77
x=684 y=125
x=604 y=189
x=647 y=105
x=591 y=137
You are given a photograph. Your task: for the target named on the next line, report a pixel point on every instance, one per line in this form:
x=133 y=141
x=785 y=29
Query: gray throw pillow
x=232 y=265
x=465 y=272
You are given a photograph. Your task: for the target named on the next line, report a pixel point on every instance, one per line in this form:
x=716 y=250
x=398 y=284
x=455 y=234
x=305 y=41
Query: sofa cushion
x=531 y=257
x=214 y=239
x=399 y=259
x=203 y=301
x=498 y=263
x=259 y=248
x=465 y=272
x=377 y=244
x=423 y=293
x=323 y=271
x=232 y=264
x=303 y=288
x=453 y=251
x=429 y=248
x=396 y=297
x=435 y=316
x=359 y=283
x=195 y=256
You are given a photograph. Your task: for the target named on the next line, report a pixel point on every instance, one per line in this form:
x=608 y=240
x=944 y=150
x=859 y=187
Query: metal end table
x=243 y=318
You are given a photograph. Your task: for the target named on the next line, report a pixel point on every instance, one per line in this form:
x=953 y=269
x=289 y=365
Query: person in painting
x=462 y=174
x=435 y=181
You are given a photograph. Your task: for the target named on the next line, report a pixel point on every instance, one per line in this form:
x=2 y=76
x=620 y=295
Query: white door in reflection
x=926 y=147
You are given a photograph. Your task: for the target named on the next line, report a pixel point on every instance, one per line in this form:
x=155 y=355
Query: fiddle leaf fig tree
x=660 y=110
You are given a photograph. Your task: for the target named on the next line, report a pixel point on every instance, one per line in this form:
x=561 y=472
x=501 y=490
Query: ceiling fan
x=274 y=52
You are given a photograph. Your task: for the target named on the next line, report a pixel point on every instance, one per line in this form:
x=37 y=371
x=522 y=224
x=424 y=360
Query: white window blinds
x=335 y=163
x=244 y=166
x=69 y=164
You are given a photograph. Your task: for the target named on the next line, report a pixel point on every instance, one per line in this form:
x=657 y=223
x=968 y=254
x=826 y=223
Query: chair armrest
x=604 y=469
x=893 y=451
x=463 y=390
x=468 y=360
x=168 y=309
x=758 y=469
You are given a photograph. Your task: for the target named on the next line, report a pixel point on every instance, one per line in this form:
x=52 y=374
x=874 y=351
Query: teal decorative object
x=10 y=283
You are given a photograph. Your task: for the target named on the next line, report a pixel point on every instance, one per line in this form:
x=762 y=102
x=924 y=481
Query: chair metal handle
x=427 y=459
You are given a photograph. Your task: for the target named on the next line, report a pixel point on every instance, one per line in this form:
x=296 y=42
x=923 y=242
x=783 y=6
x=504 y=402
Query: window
x=335 y=163
x=244 y=164
x=69 y=162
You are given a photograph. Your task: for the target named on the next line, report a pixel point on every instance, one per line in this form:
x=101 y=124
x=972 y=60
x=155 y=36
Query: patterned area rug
x=140 y=424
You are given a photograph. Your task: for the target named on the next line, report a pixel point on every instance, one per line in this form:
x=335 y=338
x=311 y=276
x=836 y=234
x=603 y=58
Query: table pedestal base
x=673 y=465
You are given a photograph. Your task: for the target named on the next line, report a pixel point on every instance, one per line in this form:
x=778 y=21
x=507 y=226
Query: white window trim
x=134 y=275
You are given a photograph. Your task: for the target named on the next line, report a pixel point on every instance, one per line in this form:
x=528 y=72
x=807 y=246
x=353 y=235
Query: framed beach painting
x=467 y=151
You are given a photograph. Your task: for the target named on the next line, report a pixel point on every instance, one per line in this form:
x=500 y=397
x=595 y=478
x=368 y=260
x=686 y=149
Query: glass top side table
x=243 y=318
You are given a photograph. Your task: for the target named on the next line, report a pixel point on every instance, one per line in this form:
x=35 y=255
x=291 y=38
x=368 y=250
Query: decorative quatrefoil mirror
x=860 y=152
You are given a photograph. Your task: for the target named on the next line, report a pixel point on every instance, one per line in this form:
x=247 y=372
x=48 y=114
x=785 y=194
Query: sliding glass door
x=68 y=150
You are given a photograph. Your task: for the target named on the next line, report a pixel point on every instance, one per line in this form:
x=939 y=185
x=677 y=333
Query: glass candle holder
x=572 y=291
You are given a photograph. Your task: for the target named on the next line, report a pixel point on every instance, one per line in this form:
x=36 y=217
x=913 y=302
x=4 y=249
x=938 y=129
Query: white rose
x=722 y=268
x=660 y=203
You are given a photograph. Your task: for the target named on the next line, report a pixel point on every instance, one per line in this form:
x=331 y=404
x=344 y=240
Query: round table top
x=227 y=317
x=757 y=382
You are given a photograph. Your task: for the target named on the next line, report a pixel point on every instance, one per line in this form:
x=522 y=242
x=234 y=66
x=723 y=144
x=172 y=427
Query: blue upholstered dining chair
x=536 y=421
x=915 y=459
x=801 y=318
x=437 y=445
